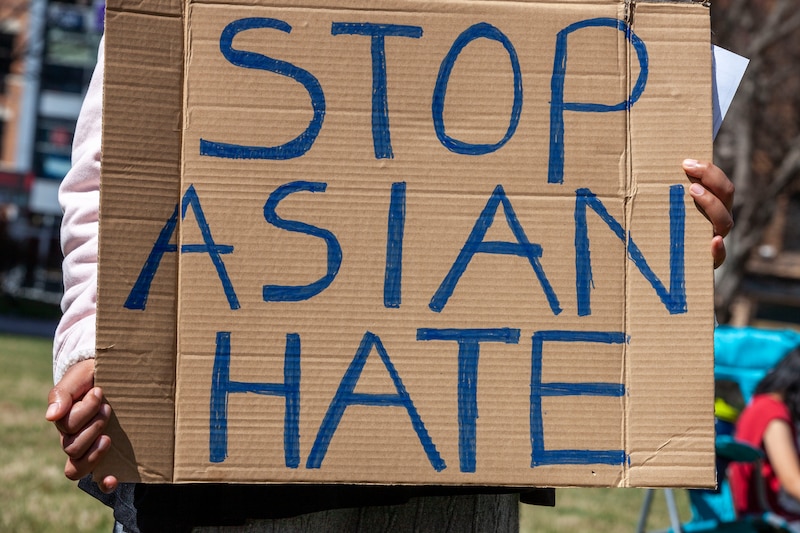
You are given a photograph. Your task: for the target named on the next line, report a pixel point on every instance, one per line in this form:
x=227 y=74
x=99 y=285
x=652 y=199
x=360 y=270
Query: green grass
x=34 y=494
x=606 y=510
x=35 y=497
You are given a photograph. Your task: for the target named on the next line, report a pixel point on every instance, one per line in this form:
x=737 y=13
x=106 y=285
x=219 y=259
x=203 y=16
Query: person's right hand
x=717 y=206
x=77 y=409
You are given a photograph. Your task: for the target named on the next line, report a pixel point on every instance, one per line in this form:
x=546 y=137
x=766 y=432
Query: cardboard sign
x=406 y=243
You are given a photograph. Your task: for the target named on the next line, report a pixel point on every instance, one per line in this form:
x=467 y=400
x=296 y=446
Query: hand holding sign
x=713 y=194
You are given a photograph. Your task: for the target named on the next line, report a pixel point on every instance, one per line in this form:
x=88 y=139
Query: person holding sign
x=78 y=410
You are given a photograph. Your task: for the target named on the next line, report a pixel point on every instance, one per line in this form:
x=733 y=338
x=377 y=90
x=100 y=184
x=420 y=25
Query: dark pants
x=314 y=508
x=491 y=513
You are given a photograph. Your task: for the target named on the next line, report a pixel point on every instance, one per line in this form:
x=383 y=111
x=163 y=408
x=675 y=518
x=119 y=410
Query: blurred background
x=47 y=53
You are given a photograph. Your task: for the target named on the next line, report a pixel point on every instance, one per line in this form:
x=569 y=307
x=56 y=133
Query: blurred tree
x=759 y=143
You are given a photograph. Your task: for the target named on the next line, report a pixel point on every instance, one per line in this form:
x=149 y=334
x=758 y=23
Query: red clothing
x=750 y=427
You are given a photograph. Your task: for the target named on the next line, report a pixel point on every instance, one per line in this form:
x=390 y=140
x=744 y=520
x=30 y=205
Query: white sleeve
x=79 y=196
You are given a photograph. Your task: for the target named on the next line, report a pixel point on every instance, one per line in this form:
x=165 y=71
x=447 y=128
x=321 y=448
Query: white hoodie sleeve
x=79 y=196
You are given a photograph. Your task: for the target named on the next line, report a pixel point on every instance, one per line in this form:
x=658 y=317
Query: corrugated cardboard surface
x=168 y=85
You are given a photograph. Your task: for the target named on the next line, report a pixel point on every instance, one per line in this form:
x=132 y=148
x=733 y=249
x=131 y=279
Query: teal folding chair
x=745 y=355
x=741 y=356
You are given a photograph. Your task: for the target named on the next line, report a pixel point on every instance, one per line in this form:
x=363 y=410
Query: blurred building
x=770 y=292
x=47 y=54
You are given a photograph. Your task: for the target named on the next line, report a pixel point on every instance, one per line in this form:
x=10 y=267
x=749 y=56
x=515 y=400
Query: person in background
x=768 y=423
x=77 y=408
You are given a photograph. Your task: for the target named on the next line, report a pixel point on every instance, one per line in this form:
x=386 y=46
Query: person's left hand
x=713 y=195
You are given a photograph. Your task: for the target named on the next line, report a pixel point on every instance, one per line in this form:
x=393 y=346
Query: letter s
x=296 y=293
x=300 y=144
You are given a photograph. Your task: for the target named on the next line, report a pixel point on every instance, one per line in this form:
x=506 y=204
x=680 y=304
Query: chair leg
x=646 y=504
x=672 y=509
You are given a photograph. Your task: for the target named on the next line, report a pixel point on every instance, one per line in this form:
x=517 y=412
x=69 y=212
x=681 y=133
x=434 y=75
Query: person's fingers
x=712 y=178
x=78 y=444
x=83 y=411
x=78 y=411
x=77 y=381
x=713 y=208
x=712 y=193
x=107 y=484
x=718 y=251
x=78 y=468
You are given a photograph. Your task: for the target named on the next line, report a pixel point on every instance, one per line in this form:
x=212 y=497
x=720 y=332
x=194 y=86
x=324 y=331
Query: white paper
x=728 y=72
